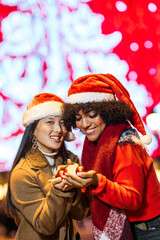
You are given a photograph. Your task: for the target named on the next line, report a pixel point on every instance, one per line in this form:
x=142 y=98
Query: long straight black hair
x=25 y=146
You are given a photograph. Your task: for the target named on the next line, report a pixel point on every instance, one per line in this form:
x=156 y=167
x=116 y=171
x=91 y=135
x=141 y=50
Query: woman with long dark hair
x=42 y=206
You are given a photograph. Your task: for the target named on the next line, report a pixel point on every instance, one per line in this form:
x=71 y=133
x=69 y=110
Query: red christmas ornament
x=80 y=169
x=61 y=173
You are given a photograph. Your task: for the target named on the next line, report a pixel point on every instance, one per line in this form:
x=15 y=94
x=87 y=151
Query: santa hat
x=105 y=87
x=41 y=106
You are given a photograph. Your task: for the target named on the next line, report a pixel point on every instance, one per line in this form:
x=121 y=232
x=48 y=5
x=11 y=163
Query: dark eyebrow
x=90 y=109
x=52 y=116
x=87 y=111
x=49 y=118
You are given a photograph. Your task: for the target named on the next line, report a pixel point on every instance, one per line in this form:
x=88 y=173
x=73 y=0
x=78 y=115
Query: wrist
x=97 y=178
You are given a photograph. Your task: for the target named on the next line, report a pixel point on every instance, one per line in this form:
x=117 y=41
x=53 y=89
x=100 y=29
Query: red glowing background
x=45 y=45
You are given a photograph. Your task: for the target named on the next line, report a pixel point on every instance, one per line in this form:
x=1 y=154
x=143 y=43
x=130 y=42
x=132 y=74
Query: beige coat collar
x=37 y=160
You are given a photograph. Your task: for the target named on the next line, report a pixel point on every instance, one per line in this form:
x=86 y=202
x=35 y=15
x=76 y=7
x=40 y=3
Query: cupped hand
x=83 y=179
x=60 y=184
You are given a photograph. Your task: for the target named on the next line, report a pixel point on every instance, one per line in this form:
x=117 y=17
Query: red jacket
x=135 y=186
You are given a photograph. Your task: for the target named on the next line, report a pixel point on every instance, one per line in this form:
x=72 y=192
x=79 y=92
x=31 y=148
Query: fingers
x=61 y=184
x=69 y=161
x=83 y=179
x=88 y=174
x=61 y=167
x=74 y=181
x=69 y=176
x=66 y=182
x=55 y=180
x=67 y=188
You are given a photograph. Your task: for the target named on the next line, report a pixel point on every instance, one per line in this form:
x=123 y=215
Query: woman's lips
x=90 y=131
x=56 y=138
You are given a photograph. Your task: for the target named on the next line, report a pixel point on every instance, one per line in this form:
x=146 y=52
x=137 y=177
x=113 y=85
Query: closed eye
x=77 y=118
x=93 y=115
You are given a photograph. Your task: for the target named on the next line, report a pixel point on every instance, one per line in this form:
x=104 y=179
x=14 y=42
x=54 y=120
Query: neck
x=48 y=154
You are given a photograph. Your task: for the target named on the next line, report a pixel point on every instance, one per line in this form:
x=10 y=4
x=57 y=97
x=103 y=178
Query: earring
x=34 y=141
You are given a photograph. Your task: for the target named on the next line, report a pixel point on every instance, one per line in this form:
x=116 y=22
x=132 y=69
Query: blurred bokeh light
x=45 y=45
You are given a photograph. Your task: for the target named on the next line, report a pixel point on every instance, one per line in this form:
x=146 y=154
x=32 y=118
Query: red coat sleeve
x=126 y=189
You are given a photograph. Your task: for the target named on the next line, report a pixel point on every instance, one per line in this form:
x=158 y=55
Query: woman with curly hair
x=120 y=179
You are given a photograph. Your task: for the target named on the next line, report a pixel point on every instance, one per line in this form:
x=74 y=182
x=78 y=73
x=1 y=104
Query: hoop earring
x=34 y=141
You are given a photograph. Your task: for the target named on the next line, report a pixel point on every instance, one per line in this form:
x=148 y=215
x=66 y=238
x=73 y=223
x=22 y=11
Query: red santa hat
x=41 y=106
x=105 y=87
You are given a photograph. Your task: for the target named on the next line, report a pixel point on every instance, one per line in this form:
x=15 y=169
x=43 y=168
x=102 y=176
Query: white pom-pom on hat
x=146 y=139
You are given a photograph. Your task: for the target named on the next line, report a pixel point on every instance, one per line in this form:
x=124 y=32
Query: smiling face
x=50 y=132
x=91 y=124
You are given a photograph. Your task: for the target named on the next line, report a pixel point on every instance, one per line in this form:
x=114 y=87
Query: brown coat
x=44 y=212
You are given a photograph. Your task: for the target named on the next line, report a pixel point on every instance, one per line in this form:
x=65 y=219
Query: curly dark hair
x=111 y=112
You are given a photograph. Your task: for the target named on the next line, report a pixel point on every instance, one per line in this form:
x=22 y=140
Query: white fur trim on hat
x=41 y=110
x=90 y=97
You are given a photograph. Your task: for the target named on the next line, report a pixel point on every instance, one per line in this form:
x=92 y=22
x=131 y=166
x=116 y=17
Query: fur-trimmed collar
x=131 y=135
x=37 y=160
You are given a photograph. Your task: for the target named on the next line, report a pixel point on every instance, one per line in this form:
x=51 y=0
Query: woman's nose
x=85 y=122
x=57 y=128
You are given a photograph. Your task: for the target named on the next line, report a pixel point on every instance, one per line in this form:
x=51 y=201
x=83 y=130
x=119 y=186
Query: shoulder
x=22 y=171
x=22 y=165
x=131 y=136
